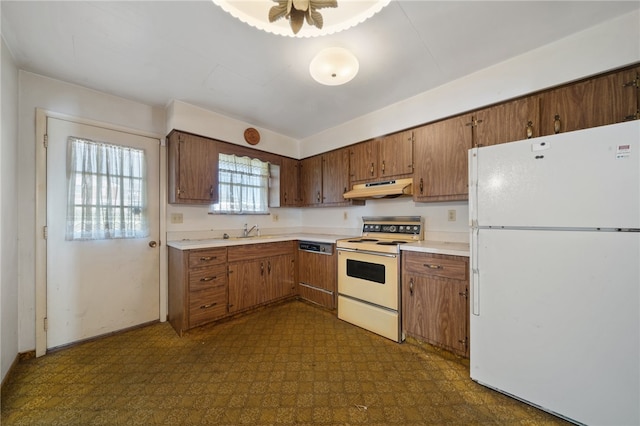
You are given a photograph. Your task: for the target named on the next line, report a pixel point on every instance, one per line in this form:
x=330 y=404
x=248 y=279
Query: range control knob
x=392 y=228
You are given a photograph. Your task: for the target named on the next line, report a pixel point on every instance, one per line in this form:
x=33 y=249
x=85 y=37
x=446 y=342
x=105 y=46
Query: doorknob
x=153 y=244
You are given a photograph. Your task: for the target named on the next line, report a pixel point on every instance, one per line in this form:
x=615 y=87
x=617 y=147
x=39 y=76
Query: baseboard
x=23 y=356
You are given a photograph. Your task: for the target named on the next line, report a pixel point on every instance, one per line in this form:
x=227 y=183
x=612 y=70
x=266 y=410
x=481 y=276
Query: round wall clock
x=252 y=136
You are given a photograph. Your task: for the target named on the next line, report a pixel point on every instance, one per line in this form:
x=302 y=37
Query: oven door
x=370 y=277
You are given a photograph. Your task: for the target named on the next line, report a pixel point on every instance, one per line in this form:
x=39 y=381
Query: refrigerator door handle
x=475 y=276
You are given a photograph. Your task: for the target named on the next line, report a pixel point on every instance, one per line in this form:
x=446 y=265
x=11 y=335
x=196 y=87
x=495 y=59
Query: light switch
x=451 y=215
x=176 y=217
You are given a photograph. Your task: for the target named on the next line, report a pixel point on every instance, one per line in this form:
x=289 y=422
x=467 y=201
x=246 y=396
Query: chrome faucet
x=246 y=231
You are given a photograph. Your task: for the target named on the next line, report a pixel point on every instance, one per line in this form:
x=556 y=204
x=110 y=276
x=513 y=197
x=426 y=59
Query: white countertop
x=220 y=242
x=438 y=247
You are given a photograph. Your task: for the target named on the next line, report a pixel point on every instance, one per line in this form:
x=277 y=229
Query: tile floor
x=291 y=363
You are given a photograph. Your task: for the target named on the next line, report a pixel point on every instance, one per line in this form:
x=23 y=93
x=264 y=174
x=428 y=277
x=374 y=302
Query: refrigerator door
x=556 y=320
x=583 y=179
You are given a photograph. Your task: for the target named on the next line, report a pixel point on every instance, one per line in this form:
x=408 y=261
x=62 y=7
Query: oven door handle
x=373 y=253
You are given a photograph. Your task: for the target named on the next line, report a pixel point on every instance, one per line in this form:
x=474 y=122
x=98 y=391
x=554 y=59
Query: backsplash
x=197 y=223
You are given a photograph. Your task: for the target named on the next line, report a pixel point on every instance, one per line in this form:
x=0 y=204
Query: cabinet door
x=595 y=102
x=280 y=277
x=625 y=94
x=246 y=284
x=396 y=155
x=311 y=180
x=435 y=310
x=363 y=161
x=440 y=157
x=193 y=169
x=289 y=182
x=335 y=176
x=507 y=122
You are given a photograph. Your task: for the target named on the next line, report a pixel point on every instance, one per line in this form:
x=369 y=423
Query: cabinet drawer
x=204 y=279
x=435 y=265
x=207 y=305
x=213 y=256
x=259 y=250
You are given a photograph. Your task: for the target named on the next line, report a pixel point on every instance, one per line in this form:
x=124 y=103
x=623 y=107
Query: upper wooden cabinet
x=335 y=176
x=440 y=155
x=289 y=182
x=193 y=169
x=311 y=181
x=378 y=159
x=607 y=99
x=511 y=121
x=324 y=179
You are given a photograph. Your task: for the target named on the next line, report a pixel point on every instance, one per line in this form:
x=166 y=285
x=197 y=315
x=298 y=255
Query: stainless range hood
x=390 y=188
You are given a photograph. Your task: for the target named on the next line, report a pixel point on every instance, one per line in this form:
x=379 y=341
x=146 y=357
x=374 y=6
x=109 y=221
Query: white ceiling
x=192 y=51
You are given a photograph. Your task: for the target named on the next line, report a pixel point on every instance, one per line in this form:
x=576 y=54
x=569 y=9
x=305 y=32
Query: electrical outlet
x=274 y=217
x=451 y=215
x=345 y=216
x=176 y=218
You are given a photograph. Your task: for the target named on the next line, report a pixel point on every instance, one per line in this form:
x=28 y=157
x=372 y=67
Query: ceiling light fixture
x=334 y=66
x=331 y=19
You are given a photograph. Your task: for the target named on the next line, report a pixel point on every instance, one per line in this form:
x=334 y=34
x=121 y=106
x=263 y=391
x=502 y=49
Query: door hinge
x=46 y=324
x=45 y=141
x=45 y=232
x=464 y=293
x=464 y=342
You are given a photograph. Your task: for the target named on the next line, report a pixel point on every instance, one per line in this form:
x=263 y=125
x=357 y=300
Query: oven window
x=366 y=271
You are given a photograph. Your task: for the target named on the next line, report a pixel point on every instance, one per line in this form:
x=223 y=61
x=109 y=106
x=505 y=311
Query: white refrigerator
x=555 y=272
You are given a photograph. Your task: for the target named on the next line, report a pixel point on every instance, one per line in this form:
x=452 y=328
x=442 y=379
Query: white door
x=103 y=260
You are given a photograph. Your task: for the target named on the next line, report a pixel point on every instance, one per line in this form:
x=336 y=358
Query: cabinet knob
x=529 y=130
x=557 y=124
x=411 y=286
x=421 y=186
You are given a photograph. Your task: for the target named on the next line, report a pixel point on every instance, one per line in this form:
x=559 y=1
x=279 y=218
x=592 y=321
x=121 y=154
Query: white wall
x=9 y=211
x=183 y=116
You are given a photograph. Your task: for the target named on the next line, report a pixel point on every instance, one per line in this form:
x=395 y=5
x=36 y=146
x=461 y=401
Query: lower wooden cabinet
x=260 y=273
x=197 y=287
x=435 y=304
x=208 y=284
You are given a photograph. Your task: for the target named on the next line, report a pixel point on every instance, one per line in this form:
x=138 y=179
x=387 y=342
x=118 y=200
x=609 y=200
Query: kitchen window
x=243 y=185
x=106 y=191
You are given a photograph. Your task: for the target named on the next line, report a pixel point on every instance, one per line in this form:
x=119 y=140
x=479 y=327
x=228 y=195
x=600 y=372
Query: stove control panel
x=391 y=229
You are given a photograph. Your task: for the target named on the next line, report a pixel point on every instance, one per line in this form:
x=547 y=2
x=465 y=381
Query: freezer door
x=556 y=320
x=585 y=179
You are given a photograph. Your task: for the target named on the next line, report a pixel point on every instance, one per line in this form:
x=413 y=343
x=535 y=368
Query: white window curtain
x=107 y=195
x=243 y=185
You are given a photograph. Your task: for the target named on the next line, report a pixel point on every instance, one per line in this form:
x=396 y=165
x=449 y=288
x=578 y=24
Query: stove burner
x=363 y=240
x=390 y=243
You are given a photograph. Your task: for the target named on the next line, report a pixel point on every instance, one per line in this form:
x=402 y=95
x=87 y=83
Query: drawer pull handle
x=433 y=266
x=207 y=258
x=411 y=286
x=210 y=305
x=205 y=279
